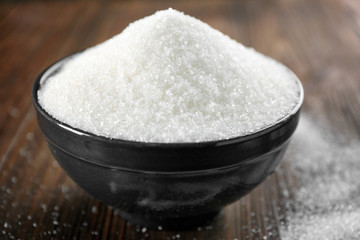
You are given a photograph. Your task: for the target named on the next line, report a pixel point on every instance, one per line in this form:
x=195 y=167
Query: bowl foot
x=169 y=223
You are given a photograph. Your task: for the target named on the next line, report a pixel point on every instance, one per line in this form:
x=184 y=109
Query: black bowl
x=173 y=185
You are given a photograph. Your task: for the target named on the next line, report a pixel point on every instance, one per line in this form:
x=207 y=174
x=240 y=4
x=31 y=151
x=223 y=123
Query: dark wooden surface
x=318 y=39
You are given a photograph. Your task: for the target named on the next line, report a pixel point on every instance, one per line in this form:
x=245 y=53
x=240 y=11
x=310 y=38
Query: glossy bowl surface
x=173 y=185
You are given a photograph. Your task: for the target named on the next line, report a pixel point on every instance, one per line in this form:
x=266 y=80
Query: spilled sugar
x=170 y=78
x=326 y=206
x=330 y=226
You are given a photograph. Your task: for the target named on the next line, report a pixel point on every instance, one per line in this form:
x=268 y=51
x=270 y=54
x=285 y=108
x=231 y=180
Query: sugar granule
x=170 y=78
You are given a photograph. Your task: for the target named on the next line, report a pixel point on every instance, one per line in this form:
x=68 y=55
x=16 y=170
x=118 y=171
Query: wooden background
x=318 y=39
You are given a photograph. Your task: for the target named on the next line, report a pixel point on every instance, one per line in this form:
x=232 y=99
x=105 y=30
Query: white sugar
x=170 y=78
x=329 y=226
x=326 y=205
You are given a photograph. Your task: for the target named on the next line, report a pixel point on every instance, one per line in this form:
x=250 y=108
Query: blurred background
x=318 y=39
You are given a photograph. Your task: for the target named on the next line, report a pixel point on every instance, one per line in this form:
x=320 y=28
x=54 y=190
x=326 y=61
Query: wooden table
x=318 y=39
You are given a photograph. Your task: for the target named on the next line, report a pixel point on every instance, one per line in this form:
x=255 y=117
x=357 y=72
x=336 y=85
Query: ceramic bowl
x=173 y=185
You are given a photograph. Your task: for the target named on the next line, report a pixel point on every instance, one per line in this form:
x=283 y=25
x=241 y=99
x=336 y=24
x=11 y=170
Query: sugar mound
x=170 y=78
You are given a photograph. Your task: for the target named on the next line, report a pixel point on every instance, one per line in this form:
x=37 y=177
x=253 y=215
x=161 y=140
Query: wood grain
x=318 y=39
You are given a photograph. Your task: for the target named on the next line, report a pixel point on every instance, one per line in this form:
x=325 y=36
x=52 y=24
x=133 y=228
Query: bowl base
x=169 y=223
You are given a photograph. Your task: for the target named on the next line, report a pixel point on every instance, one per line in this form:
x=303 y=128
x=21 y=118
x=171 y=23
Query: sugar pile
x=170 y=78
x=326 y=205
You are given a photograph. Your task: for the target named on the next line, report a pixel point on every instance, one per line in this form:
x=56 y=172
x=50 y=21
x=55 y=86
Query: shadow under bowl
x=173 y=185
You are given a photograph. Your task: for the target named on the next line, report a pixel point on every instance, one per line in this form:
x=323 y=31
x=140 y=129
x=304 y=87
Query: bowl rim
x=56 y=67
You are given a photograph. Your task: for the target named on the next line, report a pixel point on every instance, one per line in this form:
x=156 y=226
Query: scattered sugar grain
x=55 y=164
x=94 y=209
x=14 y=112
x=13 y=179
x=170 y=78
x=30 y=136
